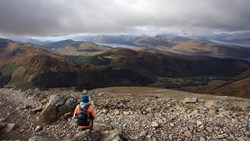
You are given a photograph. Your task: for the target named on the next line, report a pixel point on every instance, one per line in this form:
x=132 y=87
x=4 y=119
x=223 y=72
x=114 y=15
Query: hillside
x=25 y=64
x=154 y=68
x=76 y=48
x=124 y=113
x=195 y=47
x=237 y=86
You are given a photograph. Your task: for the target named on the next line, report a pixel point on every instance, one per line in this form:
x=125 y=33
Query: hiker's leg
x=91 y=128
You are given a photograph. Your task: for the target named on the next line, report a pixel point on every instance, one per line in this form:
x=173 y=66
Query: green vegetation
x=175 y=82
x=85 y=60
x=25 y=85
x=8 y=69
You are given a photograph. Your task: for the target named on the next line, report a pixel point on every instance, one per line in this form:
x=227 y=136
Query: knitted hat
x=85 y=98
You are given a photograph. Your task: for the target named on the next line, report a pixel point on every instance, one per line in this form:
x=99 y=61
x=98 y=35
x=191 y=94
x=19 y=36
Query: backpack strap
x=86 y=107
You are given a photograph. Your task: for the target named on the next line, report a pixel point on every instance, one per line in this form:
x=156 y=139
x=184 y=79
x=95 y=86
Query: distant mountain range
x=242 y=38
x=208 y=48
x=175 y=44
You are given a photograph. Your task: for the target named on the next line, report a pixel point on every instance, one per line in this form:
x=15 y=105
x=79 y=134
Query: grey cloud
x=61 y=17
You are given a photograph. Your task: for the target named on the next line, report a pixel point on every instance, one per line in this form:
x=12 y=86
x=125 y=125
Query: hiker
x=84 y=113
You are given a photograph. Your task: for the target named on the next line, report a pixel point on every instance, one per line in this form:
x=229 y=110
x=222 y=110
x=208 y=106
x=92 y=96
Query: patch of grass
x=85 y=60
x=8 y=69
x=26 y=85
x=176 y=82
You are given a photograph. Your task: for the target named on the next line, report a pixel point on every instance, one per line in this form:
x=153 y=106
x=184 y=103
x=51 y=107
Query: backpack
x=83 y=116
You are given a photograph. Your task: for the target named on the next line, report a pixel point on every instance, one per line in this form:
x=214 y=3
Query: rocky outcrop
x=42 y=138
x=57 y=106
x=87 y=135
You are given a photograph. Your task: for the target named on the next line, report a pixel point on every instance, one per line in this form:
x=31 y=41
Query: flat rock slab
x=9 y=127
x=190 y=100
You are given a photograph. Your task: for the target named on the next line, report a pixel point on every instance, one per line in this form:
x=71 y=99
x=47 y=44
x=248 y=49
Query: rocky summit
x=124 y=113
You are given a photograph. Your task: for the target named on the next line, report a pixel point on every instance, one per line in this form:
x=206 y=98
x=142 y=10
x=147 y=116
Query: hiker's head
x=85 y=98
x=84 y=92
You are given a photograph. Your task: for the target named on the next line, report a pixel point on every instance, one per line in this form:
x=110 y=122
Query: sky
x=41 y=18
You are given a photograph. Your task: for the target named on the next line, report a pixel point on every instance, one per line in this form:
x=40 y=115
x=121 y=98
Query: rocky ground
x=137 y=113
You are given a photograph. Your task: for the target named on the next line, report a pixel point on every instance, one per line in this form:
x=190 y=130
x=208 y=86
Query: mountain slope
x=70 y=47
x=242 y=38
x=195 y=47
x=24 y=64
x=238 y=86
x=152 y=67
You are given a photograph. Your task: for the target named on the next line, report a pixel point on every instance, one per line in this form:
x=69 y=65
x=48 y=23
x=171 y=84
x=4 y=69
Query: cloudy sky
x=64 y=17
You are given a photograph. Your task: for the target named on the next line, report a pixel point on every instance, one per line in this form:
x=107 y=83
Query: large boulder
x=9 y=127
x=57 y=106
x=97 y=135
x=41 y=138
x=112 y=135
x=87 y=135
x=101 y=126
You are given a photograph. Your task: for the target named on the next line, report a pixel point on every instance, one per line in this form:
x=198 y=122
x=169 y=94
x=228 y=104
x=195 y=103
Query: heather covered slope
x=196 y=47
x=24 y=64
x=238 y=86
x=76 y=48
x=156 y=68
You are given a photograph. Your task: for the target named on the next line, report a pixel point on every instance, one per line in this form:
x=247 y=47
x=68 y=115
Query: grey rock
x=104 y=111
x=202 y=139
x=38 y=128
x=170 y=137
x=71 y=102
x=199 y=123
x=57 y=106
x=101 y=126
x=188 y=134
x=3 y=120
x=211 y=103
x=112 y=135
x=9 y=127
x=116 y=112
x=190 y=100
x=155 y=124
x=41 y=138
x=87 y=135
x=2 y=125
x=125 y=113
x=241 y=139
x=209 y=129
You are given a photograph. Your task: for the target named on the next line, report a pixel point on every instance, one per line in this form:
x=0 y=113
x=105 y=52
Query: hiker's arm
x=76 y=111
x=92 y=111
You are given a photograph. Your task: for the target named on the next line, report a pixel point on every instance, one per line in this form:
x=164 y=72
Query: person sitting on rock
x=84 y=113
